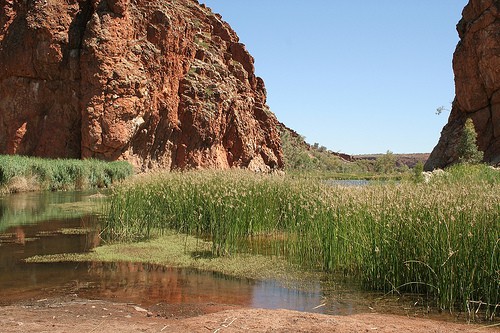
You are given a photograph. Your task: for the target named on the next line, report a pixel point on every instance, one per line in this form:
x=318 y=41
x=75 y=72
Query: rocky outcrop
x=476 y=64
x=163 y=84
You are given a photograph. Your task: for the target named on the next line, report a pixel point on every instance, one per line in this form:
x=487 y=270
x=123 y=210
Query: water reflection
x=31 y=208
x=150 y=284
x=48 y=237
x=358 y=182
x=348 y=182
x=271 y=295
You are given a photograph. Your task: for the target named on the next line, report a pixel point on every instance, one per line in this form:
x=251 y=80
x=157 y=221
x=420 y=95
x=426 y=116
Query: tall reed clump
x=21 y=173
x=441 y=239
x=226 y=207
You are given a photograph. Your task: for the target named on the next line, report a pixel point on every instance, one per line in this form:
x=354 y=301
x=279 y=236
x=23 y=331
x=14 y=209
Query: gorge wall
x=476 y=64
x=162 y=84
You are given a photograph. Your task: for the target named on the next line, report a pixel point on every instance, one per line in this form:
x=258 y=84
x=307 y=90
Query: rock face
x=476 y=64
x=163 y=84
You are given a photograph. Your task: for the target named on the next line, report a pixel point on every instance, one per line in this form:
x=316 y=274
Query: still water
x=50 y=223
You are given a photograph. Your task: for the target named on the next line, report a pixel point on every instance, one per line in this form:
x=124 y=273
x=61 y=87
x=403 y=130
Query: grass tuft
x=23 y=174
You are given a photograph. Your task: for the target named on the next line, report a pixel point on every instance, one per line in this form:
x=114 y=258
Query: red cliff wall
x=476 y=64
x=163 y=84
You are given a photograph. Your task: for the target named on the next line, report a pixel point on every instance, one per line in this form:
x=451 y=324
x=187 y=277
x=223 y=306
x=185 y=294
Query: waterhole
x=66 y=222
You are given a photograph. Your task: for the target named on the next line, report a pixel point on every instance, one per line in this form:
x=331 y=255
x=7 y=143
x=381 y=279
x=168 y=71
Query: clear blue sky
x=354 y=76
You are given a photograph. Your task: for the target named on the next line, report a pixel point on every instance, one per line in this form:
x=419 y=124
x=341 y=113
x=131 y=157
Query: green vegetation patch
x=21 y=173
x=177 y=250
x=88 y=207
x=440 y=238
x=299 y=156
x=467 y=147
x=75 y=231
x=319 y=162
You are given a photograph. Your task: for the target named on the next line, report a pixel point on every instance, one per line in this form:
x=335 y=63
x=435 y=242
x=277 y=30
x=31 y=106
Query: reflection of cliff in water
x=49 y=237
x=150 y=284
x=18 y=279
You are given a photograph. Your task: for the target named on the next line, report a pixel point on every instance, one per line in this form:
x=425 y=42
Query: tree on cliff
x=468 y=151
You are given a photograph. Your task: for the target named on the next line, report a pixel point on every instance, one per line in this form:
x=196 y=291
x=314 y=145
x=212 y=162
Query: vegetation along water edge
x=440 y=238
x=22 y=173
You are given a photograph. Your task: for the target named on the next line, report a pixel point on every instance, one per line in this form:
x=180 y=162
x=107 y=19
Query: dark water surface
x=37 y=224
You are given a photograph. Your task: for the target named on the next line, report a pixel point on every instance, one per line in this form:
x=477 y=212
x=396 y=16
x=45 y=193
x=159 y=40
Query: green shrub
x=299 y=156
x=468 y=151
x=418 y=169
x=386 y=163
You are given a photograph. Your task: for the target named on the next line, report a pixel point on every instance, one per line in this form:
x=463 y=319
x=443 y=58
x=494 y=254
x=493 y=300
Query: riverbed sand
x=79 y=315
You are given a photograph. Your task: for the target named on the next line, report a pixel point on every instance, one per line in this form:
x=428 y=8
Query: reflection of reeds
x=440 y=239
x=29 y=209
x=21 y=174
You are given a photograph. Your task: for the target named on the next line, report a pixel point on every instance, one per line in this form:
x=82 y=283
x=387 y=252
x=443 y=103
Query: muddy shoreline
x=73 y=314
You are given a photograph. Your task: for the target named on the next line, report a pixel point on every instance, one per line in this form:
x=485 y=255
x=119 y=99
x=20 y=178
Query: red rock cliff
x=163 y=84
x=476 y=64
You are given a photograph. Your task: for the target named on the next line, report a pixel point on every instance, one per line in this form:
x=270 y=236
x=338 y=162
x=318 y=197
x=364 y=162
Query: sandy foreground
x=78 y=315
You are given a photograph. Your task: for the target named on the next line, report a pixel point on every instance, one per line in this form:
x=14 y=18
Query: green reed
x=21 y=173
x=439 y=239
